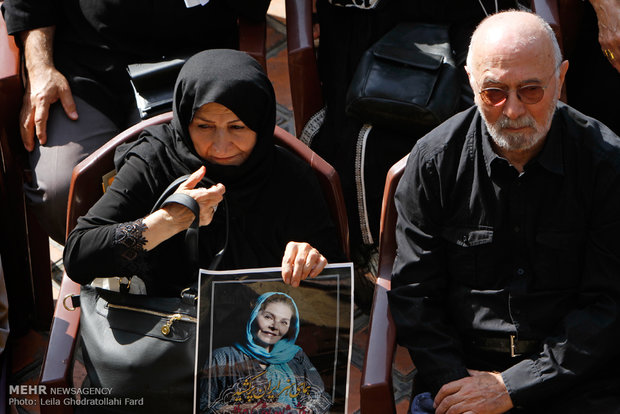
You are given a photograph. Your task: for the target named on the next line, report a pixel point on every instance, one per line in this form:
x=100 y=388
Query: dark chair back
x=302 y=66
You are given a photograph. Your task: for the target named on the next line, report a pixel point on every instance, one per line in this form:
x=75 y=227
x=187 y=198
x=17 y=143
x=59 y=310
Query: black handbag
x=407 y=79
x=142 y=348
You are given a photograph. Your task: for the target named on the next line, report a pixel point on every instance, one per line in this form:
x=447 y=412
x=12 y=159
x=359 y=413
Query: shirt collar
x=487 y=150
x=550 y=157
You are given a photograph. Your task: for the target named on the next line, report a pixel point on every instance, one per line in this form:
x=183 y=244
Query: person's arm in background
x=33 y=24
x=608 y=16
x=44 y=86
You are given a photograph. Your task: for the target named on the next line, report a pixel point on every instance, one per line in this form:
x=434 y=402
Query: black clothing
x=273 y=197
x=484 y=251
x=346 y=33
x=96 y=39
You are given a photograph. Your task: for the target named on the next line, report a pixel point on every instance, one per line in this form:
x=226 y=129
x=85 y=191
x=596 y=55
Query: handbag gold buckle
x=166 y=328
x=64 y=302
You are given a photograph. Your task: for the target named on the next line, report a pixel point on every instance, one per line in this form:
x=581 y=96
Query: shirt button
x=520 y=271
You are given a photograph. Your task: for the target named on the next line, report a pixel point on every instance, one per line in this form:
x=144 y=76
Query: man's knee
x=68 y=143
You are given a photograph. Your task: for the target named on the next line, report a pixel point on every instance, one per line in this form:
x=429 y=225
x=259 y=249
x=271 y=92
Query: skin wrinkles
x=517 y=130
x=219 y=136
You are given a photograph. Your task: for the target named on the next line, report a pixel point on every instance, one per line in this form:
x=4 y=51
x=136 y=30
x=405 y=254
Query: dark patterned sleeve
x=108 y=241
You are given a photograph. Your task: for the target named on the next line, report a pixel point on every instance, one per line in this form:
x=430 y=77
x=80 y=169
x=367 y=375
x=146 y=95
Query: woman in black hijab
x=224 y=117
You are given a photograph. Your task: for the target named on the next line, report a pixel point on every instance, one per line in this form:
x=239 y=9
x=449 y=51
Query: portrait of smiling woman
x=266 y=371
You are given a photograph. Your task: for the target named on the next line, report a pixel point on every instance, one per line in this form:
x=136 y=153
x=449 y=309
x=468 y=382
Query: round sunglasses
x=528 y=94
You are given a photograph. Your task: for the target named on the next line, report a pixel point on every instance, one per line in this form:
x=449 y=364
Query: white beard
x=518 y=141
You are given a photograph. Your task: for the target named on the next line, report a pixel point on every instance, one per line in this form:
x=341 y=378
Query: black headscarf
x=237 y=81
x=273 y=197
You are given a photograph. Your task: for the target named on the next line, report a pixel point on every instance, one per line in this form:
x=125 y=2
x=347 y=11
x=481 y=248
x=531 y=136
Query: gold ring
x=609 y=55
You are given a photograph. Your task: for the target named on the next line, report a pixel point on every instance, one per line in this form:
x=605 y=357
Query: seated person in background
x=224 y=117
x=505 y=285
x=267 y=363
x=78 y=93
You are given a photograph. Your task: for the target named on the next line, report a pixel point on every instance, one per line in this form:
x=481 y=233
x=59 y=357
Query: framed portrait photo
x=266 y=347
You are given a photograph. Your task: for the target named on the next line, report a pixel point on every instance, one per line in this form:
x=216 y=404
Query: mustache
x=524 y=121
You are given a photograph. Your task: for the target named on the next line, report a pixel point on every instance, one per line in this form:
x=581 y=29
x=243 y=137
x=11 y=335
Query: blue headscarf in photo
x=283 y=351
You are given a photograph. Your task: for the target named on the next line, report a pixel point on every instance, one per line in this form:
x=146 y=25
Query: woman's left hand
x=301 y=261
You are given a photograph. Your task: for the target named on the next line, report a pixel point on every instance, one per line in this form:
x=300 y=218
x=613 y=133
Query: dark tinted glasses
x=528 y=94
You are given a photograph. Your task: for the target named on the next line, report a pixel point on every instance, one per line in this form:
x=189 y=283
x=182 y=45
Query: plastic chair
x=376 y=391
x=302 y=67
x=86 y=189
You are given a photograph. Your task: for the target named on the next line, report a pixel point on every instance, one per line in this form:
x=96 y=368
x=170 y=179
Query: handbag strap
x=191 y=235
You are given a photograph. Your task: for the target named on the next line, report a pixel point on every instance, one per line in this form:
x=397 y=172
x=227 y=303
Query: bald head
x=513 y=32
x=516 y=73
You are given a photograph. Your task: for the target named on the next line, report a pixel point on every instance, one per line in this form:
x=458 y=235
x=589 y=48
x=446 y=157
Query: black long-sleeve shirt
x=484 y=250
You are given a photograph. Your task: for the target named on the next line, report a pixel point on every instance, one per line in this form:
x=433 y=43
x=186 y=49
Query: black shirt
x=486 y=251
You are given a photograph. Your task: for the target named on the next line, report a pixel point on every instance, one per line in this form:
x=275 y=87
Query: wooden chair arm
x=103 y=157
x=56 y=368
x=377 y=391
x=303 y=71
x=328 y=179
x=252 y=39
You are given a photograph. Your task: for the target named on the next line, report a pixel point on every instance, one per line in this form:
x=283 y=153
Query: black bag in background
x=407 y=79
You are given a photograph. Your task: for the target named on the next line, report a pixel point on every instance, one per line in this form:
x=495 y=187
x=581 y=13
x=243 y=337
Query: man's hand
x=482 y=393
x=608 y=16
x=301 y=261
x=45 y=86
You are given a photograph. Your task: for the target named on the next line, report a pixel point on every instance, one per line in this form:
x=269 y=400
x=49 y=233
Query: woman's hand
x=207 y=198
x=174 y=218
x=301 y=261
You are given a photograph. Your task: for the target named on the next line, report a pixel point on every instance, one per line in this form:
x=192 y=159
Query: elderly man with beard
x=506 y=284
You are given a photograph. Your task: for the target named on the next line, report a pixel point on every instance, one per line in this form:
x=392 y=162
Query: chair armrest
x=328 y=179
x=252 y=35
x=303 y=71
x=56 y=368
x=377 y=392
